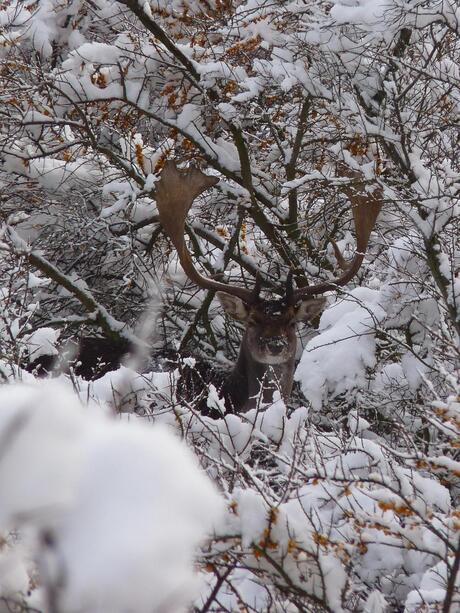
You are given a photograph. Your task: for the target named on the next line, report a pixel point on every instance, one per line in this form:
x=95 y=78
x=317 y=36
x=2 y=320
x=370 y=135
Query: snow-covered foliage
x=347 y=498
x=314 y=519
x=99 y=503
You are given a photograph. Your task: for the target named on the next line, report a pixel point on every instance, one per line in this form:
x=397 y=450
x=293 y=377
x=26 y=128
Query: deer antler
x=175 y=192
x=365 y=208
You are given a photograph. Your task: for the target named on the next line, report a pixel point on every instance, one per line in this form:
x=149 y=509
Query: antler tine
x=175 y=192
x=365 y=208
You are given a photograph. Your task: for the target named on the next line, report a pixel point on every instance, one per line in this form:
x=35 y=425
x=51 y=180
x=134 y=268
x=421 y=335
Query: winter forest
x=229 y=306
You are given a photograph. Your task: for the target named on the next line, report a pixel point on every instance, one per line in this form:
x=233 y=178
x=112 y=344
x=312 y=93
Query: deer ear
x=310 y=308
x=233 y=306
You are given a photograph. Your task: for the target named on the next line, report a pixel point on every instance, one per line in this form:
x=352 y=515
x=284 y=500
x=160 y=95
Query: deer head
x=270 y=325
x=269 y=341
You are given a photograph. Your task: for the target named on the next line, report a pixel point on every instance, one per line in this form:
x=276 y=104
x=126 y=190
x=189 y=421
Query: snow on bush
x=42 y=342
x=111 y=510
x=314 y=513
x=347 y=504
x=335 y=361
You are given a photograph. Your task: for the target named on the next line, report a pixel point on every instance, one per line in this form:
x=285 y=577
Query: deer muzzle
x=274 y=344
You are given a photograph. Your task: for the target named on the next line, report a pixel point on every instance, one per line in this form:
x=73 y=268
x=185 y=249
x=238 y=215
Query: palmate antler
x=175 y=192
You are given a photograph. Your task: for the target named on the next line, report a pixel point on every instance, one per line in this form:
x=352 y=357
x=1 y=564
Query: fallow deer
x=266 y=358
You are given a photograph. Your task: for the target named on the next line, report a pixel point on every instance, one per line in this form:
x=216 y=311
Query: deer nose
x=275 y=344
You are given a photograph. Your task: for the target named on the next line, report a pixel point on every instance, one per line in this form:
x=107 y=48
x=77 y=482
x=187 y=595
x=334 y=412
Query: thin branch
x=113 y=329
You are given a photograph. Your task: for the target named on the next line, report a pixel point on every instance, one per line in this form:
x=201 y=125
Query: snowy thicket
x=347 y=498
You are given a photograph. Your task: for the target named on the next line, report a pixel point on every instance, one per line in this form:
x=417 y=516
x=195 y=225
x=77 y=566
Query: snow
x=106 y=490
x=138 y=528
x=228 y=111
x=54 y=175
x=130 y=488
x=14 y=575
x=252 y=513
x=99 y=53
x=357 y=424
x=350 y=502
x=213 y=401
x=40 y=463
x=364 y=12
x=335 y=360
x=42 y=342
x=432 y=590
